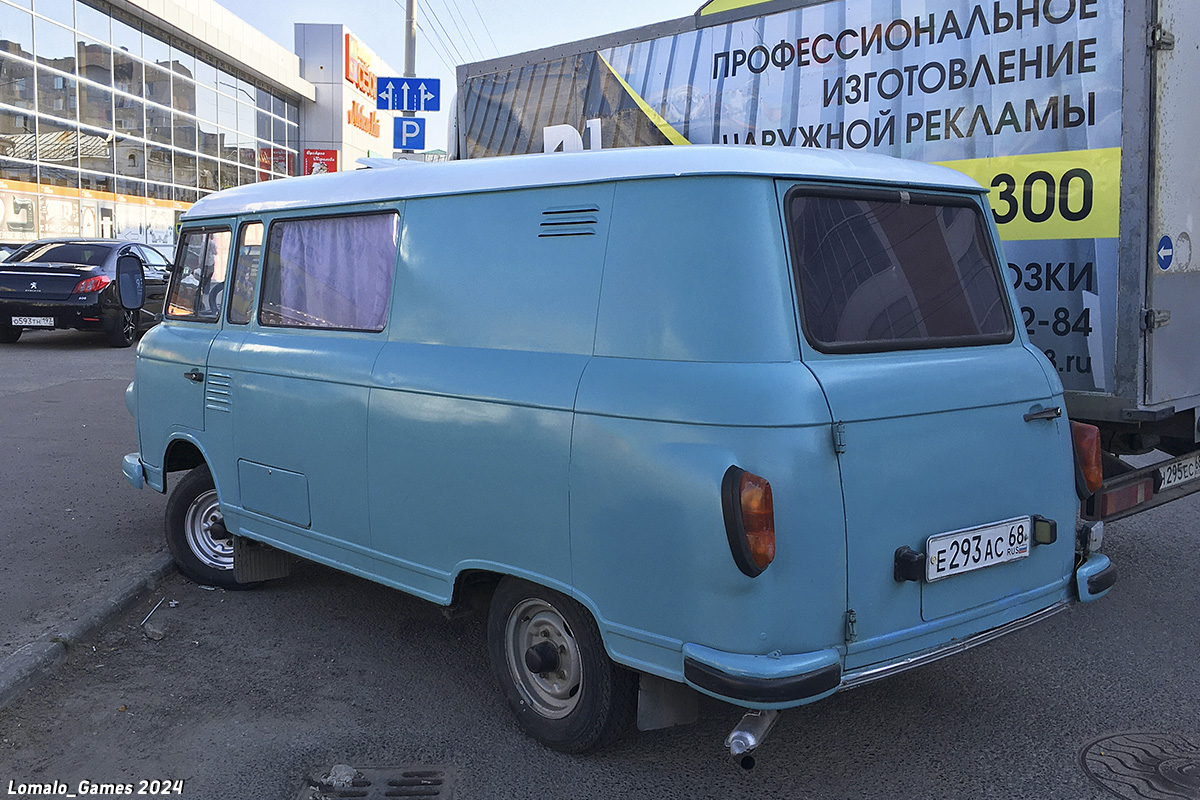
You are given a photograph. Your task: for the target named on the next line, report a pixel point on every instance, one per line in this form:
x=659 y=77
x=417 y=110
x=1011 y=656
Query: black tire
x=586 y=701
x=122 y=329
x=9 y=335
x=202 y=550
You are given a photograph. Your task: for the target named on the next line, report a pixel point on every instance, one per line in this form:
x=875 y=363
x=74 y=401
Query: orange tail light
x=749 y=520
x=1087 y=455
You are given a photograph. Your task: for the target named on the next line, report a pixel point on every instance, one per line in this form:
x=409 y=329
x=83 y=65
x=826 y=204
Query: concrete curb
x=35 y=661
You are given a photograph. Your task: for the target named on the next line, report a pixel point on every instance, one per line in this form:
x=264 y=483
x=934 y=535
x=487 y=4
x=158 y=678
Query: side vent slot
x=218 y=392
x=569 y=221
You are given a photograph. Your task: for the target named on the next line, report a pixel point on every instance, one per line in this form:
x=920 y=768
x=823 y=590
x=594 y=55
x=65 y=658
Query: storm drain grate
x=373 y=783
x=1144 y=766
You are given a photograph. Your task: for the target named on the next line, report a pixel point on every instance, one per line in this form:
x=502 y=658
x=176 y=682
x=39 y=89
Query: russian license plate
x=1182 y=470
x=975 y=548
x=33 y=322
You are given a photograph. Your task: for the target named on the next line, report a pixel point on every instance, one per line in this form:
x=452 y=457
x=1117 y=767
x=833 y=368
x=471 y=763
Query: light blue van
x=761 y=423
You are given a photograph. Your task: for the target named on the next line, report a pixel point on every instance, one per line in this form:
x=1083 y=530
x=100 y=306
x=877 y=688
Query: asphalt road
x=247 y=694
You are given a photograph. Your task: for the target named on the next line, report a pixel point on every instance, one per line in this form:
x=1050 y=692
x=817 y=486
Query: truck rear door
x=1173 y=285
x=946 y=421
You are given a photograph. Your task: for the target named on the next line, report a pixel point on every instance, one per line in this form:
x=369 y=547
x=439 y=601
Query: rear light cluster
x=1087 y=456
x=749 y=520
x=89 y=285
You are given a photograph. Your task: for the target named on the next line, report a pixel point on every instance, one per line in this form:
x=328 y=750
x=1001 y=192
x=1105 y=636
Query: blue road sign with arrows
x=409 y=94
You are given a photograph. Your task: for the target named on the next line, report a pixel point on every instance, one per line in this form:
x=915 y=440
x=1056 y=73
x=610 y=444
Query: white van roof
x=558 y=169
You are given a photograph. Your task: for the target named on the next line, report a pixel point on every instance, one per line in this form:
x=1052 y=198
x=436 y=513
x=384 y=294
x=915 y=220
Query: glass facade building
x=111 y=126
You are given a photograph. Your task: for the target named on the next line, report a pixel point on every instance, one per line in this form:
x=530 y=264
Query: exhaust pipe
x=749 y=734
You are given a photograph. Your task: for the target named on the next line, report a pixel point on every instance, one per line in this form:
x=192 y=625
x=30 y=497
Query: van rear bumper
x=762 y=681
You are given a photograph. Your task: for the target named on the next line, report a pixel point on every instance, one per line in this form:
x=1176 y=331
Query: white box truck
x=1079 y=115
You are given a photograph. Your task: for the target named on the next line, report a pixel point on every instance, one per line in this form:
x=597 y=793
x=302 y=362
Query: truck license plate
x=33 y=322
x=1180 y=471
x=975 y=548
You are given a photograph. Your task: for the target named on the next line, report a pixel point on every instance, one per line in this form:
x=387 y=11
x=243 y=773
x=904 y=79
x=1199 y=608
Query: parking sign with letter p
x=409 y=133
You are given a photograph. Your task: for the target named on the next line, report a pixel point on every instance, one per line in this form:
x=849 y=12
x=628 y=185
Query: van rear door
x=945 y=418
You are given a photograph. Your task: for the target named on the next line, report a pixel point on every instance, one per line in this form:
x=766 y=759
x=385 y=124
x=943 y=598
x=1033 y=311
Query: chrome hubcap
x=212 y=551
x=536 y=623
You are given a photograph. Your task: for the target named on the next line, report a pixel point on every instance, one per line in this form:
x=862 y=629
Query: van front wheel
x=196 y=535
x=550 y=661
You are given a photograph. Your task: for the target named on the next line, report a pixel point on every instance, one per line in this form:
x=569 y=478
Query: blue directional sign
x=409 y=133
x=409 y=94
x=1165 y=253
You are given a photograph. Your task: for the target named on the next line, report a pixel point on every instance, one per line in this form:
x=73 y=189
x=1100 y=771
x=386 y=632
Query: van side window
x=198 y=285
x=877 y=271
x=245 y=273
x=330 y=272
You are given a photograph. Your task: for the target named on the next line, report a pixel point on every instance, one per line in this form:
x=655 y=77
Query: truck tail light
x=749 y=520
x=1087 y=455
x=91 y=284
x=1114 y=501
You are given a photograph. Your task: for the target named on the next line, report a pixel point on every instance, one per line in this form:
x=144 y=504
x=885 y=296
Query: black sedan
x=71 y=283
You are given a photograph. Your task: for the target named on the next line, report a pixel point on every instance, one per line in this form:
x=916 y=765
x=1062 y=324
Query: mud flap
x=254 y=561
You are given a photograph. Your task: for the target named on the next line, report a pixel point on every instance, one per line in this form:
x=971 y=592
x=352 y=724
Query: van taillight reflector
x=91 y=284
x=1087 y=454
x=1114 y=501
x=749 y=520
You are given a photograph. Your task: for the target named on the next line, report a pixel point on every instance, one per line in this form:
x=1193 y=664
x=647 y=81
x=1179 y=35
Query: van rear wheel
x=196 y=535
x=549 y=659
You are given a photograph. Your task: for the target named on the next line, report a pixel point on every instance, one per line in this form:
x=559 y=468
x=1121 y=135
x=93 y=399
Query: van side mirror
x=131 y=281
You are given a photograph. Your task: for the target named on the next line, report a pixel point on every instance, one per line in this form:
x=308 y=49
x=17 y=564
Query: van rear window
x=882 y=270
x=330 y=272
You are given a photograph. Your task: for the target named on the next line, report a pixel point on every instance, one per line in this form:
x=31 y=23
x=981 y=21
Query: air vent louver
x=569 y=221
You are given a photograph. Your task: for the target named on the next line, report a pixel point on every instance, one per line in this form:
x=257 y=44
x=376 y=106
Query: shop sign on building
x=318 y=161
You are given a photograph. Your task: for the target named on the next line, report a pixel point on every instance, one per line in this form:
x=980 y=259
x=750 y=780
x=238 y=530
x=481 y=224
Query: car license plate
x=1180 y=471
x=975 y=548
x=33 y=322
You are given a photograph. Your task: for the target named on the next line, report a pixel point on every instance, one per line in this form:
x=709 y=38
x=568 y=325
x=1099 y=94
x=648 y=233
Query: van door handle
x=1054 y=412
x=194 y=375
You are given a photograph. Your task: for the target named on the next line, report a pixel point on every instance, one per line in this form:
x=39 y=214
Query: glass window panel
x=96 y=150
x=130 y=157
x=208 y=174
x=17 y=171
x=158 y=163
x=247 y=151
x=159 y=191
x=227 y=112
x=198 y=287
x=56 y=94
x=334 y=272
x=58 y=10
x=229 y=175
x=262 y=125
x=278 y=132
x=293 y=137
x=129 y=187
x=293 y=113
x=16 y=82
x=129 y=115
x=127 y=37
x=245 y=119
x=95 y=106
x=262 y=99
x=183 y=195
x=183 y=62
x=95 y=62
x=245 y=91
x=155 y=50
x=279 y=161
x=209 y=139
x=185 y=131
x=158 y=124
x=158 y=85
x=247 y=175
x=127 y=73
x=226 y=83
x=229 y=141
x=183 y=95
x=58 y=176
x=206 y=74
x=55 y=45
x=277 y=106
x=58 y=142
x=18 y=134
x=16 y=31
x=92 y=22
x=185 y=169
x=96 y=182
x=206 y=103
